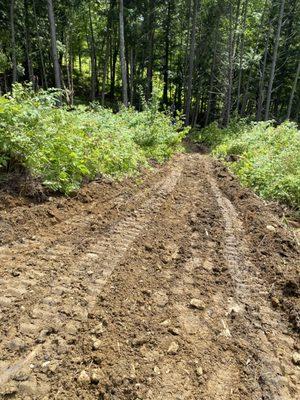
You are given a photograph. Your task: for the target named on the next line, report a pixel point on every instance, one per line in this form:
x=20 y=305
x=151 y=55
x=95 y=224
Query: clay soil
x=179 y=285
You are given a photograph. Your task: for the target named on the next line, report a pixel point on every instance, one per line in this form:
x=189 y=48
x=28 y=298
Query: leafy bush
x=267 y=157
x=61 y=147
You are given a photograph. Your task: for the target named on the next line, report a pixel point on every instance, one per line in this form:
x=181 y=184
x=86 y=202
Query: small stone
x=199 y=371
x=296 y=358
x=196 y=303
x=148 y=247
x=271 y=228
x=84 y=377
x=99 y=329
x=166 y=322
x=21 y=376
x=174 y=331
x=95 y=378
x=156 y=370
x=139 y=341
x=97 y=344
x=275 y=301
x=160 y=299
x=173 y=348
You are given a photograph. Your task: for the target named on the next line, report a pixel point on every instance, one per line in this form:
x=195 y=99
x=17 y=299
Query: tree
x=274 y=60
x=56 y=66
x=122 y=55
x=191 y=63
x=293 y=91
x=13 y=41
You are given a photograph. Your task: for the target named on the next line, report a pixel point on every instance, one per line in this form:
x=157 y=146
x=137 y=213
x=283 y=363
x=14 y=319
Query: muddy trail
x=181 y=285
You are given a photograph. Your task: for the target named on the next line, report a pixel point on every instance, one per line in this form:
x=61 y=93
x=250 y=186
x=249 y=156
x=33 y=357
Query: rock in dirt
x=199 y=371
x=173 y=348
x=271 y=228
x=174 y=331
x=95 y=378
x=197 y=303
x=84 y=378
x=139 y=341
x=97 y=344
x=156 y=370
x=296 y=358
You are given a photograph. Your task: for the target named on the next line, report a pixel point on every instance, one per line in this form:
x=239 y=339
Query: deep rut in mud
x=173 y=289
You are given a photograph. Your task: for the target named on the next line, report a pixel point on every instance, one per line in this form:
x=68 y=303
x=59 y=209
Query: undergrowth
x=265 y=157
x=62 y=147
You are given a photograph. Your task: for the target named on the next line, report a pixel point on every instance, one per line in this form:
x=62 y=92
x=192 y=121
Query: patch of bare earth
x=182 y=287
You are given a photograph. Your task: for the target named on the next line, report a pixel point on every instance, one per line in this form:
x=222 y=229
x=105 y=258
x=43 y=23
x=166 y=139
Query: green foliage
x=62 y=147
x=266 y=157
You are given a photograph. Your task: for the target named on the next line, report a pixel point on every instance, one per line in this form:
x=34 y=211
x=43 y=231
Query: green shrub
x=62 y=147
x=268 y=157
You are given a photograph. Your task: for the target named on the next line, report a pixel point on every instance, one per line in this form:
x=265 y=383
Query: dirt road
x=179 y=286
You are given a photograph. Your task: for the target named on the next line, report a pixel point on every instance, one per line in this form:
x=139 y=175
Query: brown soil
x=181 y=285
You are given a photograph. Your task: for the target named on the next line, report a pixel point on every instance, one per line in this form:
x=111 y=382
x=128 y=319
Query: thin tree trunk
x=56 y=66
x=191 y=63
x=167 y=55
x=13 y=41
x=227 y=103
x=261 y=94
x=151 y=33
x=211 y=85
x=274 y=60
x=294 y=88
x=132 y=74
x=122 y=55
x=113 y=71
x=42 y=65
x=27 y=42
x=80 y=60
x=94 y=73
x=241 y=56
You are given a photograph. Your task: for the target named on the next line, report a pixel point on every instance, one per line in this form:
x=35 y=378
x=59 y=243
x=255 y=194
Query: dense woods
x=210 y=60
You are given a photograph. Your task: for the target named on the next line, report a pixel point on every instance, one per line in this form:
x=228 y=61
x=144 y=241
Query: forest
x=211 y=60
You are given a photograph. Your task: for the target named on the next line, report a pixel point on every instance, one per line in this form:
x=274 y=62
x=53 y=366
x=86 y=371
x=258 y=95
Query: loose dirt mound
x=183 y=286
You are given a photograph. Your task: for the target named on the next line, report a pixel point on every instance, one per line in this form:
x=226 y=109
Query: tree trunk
x=151 y=33
x=27 y=42
x=122 y=55
x=274 y=60
x=191 y=64
x=132 y=74
x=56 y=66
x=94 y=69
x=228 y=95
x=167 y=55
x=241 y=56
x=42 y=63
x=261 y=94
x=211 y=85
x=294 y=88
x=13 y=41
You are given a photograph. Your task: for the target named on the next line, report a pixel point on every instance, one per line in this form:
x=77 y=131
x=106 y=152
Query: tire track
x=261 y=322
x=62 y=306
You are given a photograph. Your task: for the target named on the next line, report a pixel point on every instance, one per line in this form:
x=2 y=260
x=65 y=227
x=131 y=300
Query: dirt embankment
x=180 y=286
